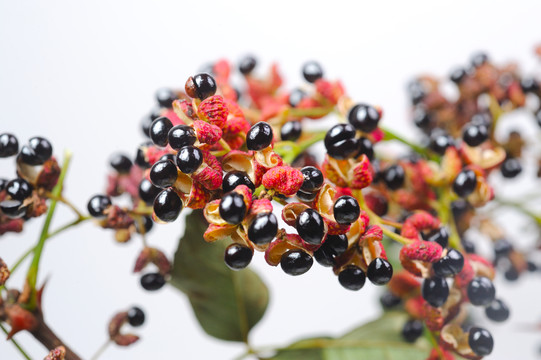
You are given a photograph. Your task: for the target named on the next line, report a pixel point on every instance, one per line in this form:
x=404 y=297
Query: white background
x=83 y=74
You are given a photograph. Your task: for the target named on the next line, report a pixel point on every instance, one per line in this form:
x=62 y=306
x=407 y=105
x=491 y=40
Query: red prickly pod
x=416 y=256
x=284 y=243
x=453 y=338
x=362 y=174
x=4 y=272
x=184 y=110
x=118 y=184
x=432 y=317
x=330 y=91
x=207 y=133
x=221 y=71
x=237 y=160
x=152 y=255
x=487 y=156
x=334 y=169
x=192 y=193
x=463 y=278
x=153 y=154
x=235 y=131
x=440 y=354
x=19 y=319
x=358 y=228
x=234 y=110
x=58 y=353
x=213 y=110
x=404 y=284
x=209 y=174
x=42 y=176
x=267 y=158
x=420 y=221
x=342 y=191
x=10 y=225
x=378 y=134
x=260 y=206
x=246 y=194
x=414 y=306
x=291 y=211
x=115 y=326
x=369 y=244
x=377 y=202
x=173 y=117
x=284 y=179
x=310 y=103
x=117 y=218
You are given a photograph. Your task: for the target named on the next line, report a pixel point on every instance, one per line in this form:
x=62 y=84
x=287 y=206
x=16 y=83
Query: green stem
x=68 y=225
x=312 y=112
x=446 y=217
x=16 y=344
x=391 y=135
x=432 y=339
x=32 y=275
x=289 y=150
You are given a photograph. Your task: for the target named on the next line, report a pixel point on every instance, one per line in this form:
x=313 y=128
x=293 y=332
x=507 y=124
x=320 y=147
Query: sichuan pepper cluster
x=237 y=155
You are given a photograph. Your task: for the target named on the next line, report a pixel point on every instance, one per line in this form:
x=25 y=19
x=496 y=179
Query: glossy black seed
x=159 y=131
x=465 y=183
x=3 y=183
x=259 y=136
x=324 y=256
x=189 y=159
x=237 y=256
x=529 y=84
x=449 y=265
x=180 y=136
x=97 y=205
x=247 y=64
x=412 y=330
x=346 y=210
x=19 y=189
x=469 y=247
x=13 y=209
x=474 y=135
x=511 y=273
x=510 y=168
x=421 y=118
x=232 y=208
x=205 y=86
x=478 y=59
x=481 y=291
x=291 y=131
x=312 y=71
x=310 y=226
x=169 y=157
x=27 y=156
x=147 y=121
x=337 y=243
x=435 y=291
x=163 y=174
x=148 y=192
x=9 y=145
x=121 y=163
x=497 y=311
x=532 y=267
x=502 y=247
x=340 y=141
x=235 y=178
x=140 y=157
x=306 y=196
x=295 y=97
x=366 y=147
x=152 y=281
x=167 y=205
x=480 y=341
x=313 y=179
x=136 y=316
x=41 y=147
x=389 y=301
x=165 y=97
x=364 y=117
x=440 y=141
x=380 y=271
x=296 y=262
x=457 y=75
x=440 y=235
x=147 y=225
x=263 y=229
x=352 y=278
x=394 y=176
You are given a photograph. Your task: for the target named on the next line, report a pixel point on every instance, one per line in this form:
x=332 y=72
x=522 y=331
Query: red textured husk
x=57 y=353
x=331 y=91
x=432 y=317
x=49 y=174
x=10 y=225
x=184 y=108
x=418 y=222
x=435 y=355
x=423 y=251
x=403 y=284
x=284 y=179
x=207 y=133
x=213 y=110
x=362 y=173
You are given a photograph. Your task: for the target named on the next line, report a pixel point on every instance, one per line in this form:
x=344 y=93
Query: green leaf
x=378 y=339
x=226 y=303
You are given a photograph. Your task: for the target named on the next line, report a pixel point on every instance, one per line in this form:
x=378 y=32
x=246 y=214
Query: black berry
x=479 y=59
x=306 y=196
x=180 y=136
x=263 y=229
x=167 y=205
x=340 y=141
x=435 y=291
x=474 y=134
x=148 y=192
x=502 y=247
x=204 y=86
x=144 y=225
x=389 y=301
x=481 y=291
x=189 y=159
x=9 y=145
x=394 y=176
x=140 y=158
x=165 y=97
x=152 y=281
x=147 y=121
x=457 y=75
x=346 y=210
x=42 y=148
x=497 y=311
x=3 y=183
x=312 y=71
x=232 y=208
x=364 y=117
x=412 y=330
x=136 y=316
x=13 y=209
x=449 y=265
x=163 y=174
x=416 y=92
x=121 y=163
x=291 y=131
x=421 y=118
x=247 y=64
x=310 y=226
x=465 y=183
x=469 y=246
x=352 y=278
x=440 y=235
x=334 y=245
x=19 y=189
x=295 y=97
x=480 y=341
x=380 y=271
x=440 y=141
x=313 y=179
x=98 y=204
x=296 y=262
x=237 y=256
x=510 y=168
x=259 y=136
x=159 y=131
x=366 y=147
x=235 y=178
